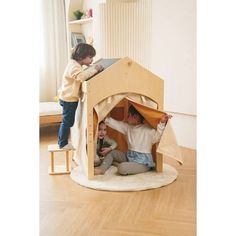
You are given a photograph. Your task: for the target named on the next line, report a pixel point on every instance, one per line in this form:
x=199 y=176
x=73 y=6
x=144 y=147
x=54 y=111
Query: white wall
x=184 y=127
x=173 y=59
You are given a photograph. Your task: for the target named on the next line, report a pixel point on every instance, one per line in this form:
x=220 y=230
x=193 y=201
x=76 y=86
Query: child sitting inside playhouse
x=140 y=138
x=104 y=146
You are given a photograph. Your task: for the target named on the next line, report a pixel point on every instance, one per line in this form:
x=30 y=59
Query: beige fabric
x=105 y=106
x=168 y=144
x=111 y=181
x=79 y=139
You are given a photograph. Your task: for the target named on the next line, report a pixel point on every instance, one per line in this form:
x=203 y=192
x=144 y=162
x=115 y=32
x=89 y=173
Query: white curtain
x=53 y=43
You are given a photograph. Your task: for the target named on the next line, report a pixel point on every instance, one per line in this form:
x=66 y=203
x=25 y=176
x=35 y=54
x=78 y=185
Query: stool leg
x=67 y=160
x=52 y=162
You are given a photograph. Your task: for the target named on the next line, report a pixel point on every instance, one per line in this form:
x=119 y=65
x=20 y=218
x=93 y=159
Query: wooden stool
x=58 y=169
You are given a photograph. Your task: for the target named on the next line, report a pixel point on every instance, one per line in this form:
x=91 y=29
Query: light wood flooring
x=68 y=209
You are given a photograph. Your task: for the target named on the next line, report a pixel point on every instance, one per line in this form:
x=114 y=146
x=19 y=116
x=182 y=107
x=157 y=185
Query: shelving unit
x=83 y=26
x=82 y=21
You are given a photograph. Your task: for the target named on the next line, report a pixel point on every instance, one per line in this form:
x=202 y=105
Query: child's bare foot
x=98 y=171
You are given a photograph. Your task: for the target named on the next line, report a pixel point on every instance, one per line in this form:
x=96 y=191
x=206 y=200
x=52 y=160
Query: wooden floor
x=68 y=209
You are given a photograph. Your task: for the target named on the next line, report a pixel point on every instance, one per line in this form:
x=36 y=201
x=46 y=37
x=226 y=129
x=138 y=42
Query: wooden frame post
x=90 y=143
x=159 y=162
x=67 y=161
x=52 y=162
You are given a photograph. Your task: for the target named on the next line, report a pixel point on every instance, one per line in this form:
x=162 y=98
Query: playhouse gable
x=124 y=76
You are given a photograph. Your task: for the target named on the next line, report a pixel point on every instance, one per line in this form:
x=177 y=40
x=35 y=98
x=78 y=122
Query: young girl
x=105 y=146
x=140 y=138
x=70 y=91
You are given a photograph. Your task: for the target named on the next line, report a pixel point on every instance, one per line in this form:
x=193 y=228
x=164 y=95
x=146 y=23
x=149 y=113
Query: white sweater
x=140 y=138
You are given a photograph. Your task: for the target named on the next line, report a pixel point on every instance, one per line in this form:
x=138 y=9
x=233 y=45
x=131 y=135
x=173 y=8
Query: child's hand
x=96 y=158
x=99 y=67
x=165 y=118
x=105 y=150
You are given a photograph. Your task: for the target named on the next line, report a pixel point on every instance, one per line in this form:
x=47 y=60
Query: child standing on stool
x=140 y=138
x=104 y=146
x=70 y=91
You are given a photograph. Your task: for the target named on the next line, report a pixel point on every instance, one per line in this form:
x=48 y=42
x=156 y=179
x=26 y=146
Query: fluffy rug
x=111 y=181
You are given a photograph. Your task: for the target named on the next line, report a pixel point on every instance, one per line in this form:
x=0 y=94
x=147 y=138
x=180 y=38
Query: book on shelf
x=77 y=38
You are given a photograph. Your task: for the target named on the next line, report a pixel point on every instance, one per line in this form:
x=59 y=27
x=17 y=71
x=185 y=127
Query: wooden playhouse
x=123 y=82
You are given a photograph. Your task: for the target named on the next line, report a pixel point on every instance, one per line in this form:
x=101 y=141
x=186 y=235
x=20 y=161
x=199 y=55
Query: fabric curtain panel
x=53 y=43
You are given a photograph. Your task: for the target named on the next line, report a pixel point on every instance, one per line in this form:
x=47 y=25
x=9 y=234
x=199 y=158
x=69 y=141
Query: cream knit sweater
x=73 y=76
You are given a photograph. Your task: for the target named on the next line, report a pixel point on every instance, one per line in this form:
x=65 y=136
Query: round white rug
x=111 y=181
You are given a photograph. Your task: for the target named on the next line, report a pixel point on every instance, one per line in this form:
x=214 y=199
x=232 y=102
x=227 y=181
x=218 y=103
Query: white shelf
x=82 y=21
